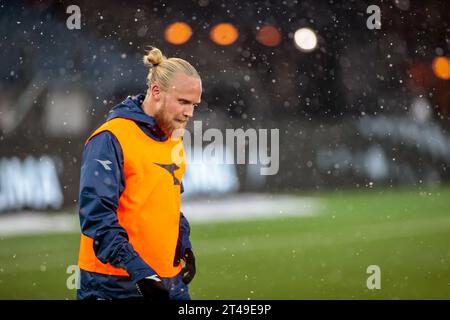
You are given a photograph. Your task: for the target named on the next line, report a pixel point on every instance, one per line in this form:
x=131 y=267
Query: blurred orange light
x=269 y=36
x=441 y=67
x=178 y=33
x=224 y=34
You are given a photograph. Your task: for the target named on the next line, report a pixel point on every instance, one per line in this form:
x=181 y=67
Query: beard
x=169 y=124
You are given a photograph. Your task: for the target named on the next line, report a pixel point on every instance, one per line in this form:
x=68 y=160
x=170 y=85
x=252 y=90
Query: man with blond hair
x=135 y=240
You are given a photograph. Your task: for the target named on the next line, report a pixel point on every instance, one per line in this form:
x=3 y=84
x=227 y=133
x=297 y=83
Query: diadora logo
x=105 y=164
x=171 y=169
x=154 y=277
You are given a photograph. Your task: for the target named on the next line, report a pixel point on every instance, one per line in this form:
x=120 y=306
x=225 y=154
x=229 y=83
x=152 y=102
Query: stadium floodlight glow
x=305 y=39
x=441 y=67
x=269 y=36
x=224 y=34
x=178 y=33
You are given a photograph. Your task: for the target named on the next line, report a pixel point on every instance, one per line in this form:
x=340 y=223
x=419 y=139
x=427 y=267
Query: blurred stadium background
x=364 y=153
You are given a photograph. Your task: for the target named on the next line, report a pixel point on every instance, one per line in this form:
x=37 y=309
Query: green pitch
x=404 y=232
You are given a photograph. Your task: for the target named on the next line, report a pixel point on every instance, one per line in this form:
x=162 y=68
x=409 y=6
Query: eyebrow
x=185 y=100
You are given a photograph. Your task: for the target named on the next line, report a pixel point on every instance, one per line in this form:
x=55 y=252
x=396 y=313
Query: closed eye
x=183 y=101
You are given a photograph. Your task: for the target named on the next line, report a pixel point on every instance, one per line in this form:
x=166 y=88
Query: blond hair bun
x=154 y=57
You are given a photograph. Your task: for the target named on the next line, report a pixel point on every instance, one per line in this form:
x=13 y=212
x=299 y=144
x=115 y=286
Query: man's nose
x=189 y=111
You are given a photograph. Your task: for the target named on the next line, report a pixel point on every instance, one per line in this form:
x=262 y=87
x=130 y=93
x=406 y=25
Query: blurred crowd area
x=364 y=108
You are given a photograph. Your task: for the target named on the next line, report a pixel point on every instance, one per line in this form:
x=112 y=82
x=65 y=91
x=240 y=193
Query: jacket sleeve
x=101 y=184
x=185 y=231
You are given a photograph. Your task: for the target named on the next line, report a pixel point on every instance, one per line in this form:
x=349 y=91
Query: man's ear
x=155 y=91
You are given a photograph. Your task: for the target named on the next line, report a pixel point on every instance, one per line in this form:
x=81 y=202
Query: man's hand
x=188 y=271
x=152 y=288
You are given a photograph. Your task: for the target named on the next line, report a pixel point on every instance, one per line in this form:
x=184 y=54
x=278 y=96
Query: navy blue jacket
x=100 y=191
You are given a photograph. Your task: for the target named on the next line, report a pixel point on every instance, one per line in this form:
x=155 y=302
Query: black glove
x=188 y=271
x=152 y=288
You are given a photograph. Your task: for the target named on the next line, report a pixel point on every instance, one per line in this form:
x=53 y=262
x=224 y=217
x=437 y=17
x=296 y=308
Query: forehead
x=186 y=86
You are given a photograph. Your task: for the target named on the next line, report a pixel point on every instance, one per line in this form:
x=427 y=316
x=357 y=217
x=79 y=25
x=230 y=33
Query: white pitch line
x=231 y=208
x=249 y=207
x=30 y=223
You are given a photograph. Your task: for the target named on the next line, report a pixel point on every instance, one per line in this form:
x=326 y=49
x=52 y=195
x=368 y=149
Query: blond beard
x=166 y=124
